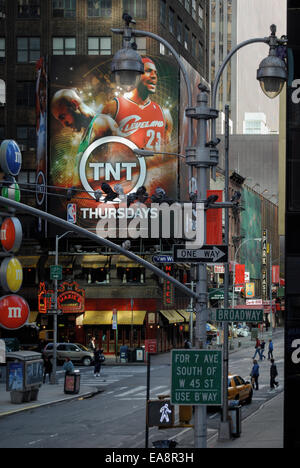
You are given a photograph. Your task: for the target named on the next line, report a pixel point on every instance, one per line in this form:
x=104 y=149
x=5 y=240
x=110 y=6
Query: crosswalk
x=122 y=392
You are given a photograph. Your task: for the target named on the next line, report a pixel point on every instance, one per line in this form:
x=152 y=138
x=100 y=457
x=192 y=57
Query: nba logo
x=72 y=213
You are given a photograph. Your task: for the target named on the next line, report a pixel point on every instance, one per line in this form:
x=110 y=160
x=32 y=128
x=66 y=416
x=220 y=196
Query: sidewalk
x=263 y=429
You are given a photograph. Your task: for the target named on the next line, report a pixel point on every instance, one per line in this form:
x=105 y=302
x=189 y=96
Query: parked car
x=242 y=332
x=75 y=351
x=239 y=389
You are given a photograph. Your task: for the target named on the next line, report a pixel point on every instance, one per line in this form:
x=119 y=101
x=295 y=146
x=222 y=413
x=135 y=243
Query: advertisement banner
x=41 y=134
x=95 y=127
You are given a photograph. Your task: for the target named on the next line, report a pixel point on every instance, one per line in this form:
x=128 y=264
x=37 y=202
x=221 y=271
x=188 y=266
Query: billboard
x=41 y=100
x=95 y=127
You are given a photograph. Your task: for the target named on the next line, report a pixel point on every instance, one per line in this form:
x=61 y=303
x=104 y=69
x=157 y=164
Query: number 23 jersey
x=143 y=125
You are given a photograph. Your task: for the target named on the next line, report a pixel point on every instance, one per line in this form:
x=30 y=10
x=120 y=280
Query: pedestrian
x=254 y=375
x=187 y=344
x=68 y=366
x=273 y=375
x=92 y=344
x=270 y=350
x=47 y=368
x=262 y=349
x=257 y=348
x=97 y=362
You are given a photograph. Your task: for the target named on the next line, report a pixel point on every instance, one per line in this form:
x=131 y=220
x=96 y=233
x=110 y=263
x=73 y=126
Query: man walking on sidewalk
x=273 y=375
x=254 y=375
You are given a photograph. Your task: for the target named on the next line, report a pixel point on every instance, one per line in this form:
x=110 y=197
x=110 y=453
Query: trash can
x=131 y=355
x=140 y=354
x=124 y=354
x=24 y=375
x=72 y=383
x=235 y=413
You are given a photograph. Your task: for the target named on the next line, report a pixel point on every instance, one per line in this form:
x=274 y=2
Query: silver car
x=75 y=351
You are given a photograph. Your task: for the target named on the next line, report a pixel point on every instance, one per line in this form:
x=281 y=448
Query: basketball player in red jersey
x=140 y=119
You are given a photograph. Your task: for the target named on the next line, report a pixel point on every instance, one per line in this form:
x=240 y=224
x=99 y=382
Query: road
x=115 y=418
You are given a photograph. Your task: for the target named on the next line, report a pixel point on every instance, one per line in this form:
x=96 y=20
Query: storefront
x=116 y=322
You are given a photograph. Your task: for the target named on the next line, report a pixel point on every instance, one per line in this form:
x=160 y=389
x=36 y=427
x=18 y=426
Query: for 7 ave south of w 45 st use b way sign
x=196 y=377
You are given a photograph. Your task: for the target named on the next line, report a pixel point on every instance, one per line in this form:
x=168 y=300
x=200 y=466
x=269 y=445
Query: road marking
x=133 y=390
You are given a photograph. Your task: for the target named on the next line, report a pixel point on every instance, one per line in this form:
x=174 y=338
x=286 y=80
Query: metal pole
x=200 y=432
x=147 y=398
x=53 y=377
x=191 y=316
x=224 y=432
x=270 y=292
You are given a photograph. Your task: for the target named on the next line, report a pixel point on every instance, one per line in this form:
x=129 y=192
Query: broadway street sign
x=239 y=315
x=207 y=254
x=196 y=377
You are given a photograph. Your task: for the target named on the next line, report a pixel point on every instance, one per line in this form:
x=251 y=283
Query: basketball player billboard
x=95 y=128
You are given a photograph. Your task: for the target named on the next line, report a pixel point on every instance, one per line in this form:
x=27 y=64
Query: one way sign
x=207 y=254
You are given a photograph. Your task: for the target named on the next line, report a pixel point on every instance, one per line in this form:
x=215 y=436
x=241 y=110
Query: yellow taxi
x=239 y=389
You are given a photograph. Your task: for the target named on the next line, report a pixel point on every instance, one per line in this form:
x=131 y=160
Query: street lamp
x=256 y=239
x=272 y=71
x=201 y=158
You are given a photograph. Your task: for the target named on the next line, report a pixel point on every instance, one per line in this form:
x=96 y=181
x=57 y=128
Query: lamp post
x=53 y=377
x=204 y=157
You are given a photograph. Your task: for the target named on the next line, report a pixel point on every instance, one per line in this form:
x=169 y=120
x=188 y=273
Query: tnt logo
x=72 y=213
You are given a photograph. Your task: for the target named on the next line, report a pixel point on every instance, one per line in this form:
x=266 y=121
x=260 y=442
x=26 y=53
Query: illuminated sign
x=70 y=298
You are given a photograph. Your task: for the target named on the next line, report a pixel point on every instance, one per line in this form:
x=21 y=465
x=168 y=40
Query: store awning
x=32 y=317
x=30 y=261
x=94 y=261
x=65 y=261
x=104 y=317
x=186 y=314
x=172 y=316
x=122 y=261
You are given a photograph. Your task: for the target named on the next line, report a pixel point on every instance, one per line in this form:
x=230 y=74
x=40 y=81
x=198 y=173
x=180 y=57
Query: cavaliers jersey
x=143 y=125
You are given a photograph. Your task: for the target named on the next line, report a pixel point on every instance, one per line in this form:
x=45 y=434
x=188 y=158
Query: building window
x=194 y=45
x=201 y=54
x=26 y=138
x=179 y=30
x=2 y=9
x=28 y=49
x=172 y=21
x=131 y=275
x=136 y=8
x=187 y=5
x=27 y=179
x=99 y=46
x=2 y=49
x=64 y=8
x=99 y=8
x=163 y=11
x=194 y=10
x=200 y=16
x=64 y=46
x=29 y=9
x=141 y=44
x=186 y=38
x=26 y=93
